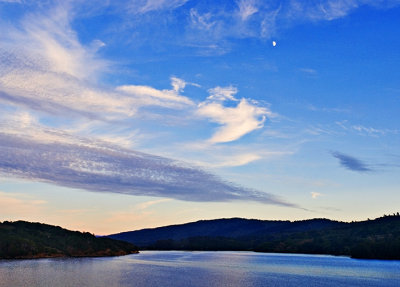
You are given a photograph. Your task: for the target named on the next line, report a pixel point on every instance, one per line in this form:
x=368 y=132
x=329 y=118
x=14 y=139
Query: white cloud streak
x=211 y=26
x=145 y=95
x=10 y=1
x=202 y=21
x=44 y=67
x=145 y=6
x=222 y=94
x=315 y=195
x=366 y=131
x=234 y=158
x=247 y=8
x=329 y=9
x=56 y=75
x=147 y=204
x=235 y=121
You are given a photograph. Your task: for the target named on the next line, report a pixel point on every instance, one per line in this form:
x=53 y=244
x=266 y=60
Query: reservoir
x=179 y=268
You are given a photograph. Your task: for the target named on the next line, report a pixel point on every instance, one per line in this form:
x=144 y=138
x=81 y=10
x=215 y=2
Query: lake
x=178 y=268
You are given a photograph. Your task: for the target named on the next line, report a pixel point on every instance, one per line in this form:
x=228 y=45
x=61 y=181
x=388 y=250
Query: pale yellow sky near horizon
x=108 y=213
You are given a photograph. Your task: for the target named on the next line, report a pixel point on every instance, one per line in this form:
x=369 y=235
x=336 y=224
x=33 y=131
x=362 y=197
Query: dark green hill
x=379 y=238
x=23 y=239
x=230 y=228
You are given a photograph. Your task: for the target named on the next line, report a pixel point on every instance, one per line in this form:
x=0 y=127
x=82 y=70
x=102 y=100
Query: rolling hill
x=379 y=238
x=23 y=239
x=230 y=228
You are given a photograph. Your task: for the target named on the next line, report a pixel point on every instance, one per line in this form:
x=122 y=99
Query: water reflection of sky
x=242 y=267
x=175 y=269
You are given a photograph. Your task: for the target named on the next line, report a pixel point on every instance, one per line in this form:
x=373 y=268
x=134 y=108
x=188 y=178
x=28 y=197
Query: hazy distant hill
x=232 y=228
x=379 y=238
x=23 y=239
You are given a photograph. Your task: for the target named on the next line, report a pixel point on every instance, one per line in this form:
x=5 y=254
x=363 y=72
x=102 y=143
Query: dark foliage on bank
x=372 y=239
x=23 y=239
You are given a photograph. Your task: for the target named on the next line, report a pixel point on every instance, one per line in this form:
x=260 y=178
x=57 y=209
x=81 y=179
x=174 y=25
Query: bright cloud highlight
x=236 y=121
x=148 y=96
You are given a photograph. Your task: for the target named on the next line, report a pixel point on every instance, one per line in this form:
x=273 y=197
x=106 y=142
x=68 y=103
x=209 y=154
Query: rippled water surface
x=176 y=268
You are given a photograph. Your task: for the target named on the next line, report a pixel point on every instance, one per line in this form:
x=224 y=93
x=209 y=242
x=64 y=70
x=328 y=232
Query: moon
x=273 y=43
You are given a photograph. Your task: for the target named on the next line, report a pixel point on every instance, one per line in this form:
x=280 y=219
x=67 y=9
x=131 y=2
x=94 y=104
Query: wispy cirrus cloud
x=203 y=21
x=233 y=158
x=11 y=1
x=145 y=6
x=44 y=67
x=223 y=93
x=373 y=132
x=147 y=204
x=330 y=9
x=215 y=24
x=324 y=10
x=56 y=74
x=147 y=96
x=247 y=8
x=229 y=155
x=235 y=121
x=210 y=28
x=309 y=71
x=37 y=153
x=352 y=163
x=366 y=130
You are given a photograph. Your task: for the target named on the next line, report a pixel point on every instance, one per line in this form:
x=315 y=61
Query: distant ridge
x=23 y=239
x=225 y=227
x=379 y=238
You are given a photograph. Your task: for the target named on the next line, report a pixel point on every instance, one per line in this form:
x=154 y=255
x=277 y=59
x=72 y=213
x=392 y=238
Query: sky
x=122 y=115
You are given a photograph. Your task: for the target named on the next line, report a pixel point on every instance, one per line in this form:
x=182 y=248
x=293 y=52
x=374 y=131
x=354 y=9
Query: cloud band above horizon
x=98 y=166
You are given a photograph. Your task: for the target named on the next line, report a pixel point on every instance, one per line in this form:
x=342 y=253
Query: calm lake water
x=176 y=268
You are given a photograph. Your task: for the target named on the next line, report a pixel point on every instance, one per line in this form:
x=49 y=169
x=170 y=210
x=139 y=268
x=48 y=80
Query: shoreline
x=65 y=256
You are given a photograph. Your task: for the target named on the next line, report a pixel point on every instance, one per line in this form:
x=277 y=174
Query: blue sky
x=132 y=114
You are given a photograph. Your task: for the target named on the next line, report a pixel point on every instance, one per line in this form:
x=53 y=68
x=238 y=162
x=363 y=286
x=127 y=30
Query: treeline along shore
x=370 y=239
x=26 y=240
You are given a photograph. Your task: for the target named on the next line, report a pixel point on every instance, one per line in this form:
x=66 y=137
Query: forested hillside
x=232 y=228
x=23 y=239
x=379 y=238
